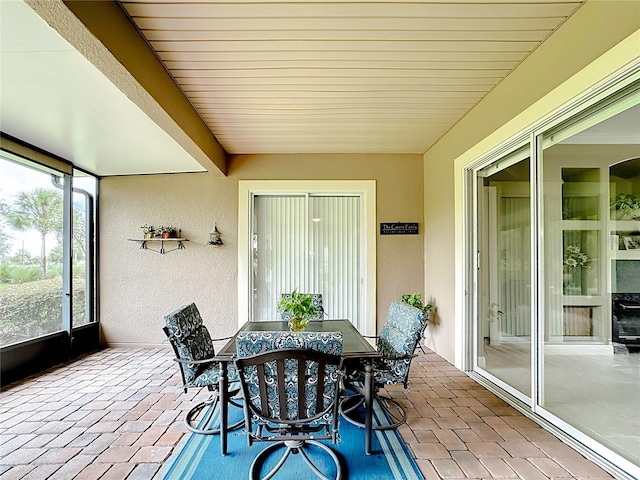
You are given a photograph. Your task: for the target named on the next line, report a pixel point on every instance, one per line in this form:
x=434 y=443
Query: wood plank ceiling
x=340 y=77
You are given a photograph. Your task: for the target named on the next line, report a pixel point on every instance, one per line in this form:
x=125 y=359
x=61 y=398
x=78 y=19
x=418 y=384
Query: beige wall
x=599 y=39
x=138 y=287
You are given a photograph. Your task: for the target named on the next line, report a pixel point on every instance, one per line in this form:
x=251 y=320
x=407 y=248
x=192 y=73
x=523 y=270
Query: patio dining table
x=354 y=346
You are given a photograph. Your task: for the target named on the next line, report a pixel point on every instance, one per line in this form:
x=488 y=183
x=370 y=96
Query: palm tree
x=78 y=232
x=40 y=210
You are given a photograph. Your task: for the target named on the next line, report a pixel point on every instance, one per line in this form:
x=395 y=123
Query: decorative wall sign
x=399 y=229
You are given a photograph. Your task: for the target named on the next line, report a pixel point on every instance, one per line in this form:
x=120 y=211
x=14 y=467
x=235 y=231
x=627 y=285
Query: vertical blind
x=515 y=248
x=311 y=243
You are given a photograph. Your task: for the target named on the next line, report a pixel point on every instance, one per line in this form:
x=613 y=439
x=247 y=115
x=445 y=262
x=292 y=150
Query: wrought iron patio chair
x=396 y=343
x=291 y=385
x=422 y=332
x=195 y=352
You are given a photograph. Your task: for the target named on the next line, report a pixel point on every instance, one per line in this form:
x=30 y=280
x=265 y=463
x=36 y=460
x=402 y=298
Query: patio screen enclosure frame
x=23 y=358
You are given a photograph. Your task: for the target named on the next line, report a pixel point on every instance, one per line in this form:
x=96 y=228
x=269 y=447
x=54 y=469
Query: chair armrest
x=195 y=362
x=221 y=338
x=402 y=357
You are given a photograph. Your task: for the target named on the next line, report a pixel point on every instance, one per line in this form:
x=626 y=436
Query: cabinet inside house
x=597 y=247
x=583 y=303
x=624 y=253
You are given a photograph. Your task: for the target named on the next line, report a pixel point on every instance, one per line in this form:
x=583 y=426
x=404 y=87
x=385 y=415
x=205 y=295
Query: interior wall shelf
x=145 y=241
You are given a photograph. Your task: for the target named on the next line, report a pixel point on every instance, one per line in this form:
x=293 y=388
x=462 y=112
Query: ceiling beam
x=103 y=33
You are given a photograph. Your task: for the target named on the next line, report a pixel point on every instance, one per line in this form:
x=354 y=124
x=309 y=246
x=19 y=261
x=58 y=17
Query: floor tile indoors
x=117 y=414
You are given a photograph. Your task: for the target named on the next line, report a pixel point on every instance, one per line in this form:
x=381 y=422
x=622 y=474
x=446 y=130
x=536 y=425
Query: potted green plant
x=626 y=206
x=147 y=230
x=301 y=308
x=415 y=300
x=494 y=313
x=573 y=263
x=168 y=231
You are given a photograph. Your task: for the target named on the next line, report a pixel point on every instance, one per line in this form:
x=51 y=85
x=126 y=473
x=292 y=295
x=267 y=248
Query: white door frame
x=247 y=189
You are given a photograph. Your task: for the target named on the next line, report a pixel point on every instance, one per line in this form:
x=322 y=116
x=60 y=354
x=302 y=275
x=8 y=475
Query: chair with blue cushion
x=316 y=300
x=195 y=352
x=291 y=383
x=396 y=343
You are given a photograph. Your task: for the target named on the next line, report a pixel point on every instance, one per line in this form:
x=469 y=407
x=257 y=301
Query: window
x=83 y=251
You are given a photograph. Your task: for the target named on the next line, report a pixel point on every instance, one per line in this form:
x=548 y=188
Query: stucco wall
x=598 y=40
x=138 y=287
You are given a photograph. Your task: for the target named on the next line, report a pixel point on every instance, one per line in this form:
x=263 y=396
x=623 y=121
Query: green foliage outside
x=31 y=286
x=41 y=210
x=11 y=273
x=16 y=273
x=33 y=309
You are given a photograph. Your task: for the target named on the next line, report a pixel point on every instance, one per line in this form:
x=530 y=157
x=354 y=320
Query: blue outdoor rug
x=391 y=459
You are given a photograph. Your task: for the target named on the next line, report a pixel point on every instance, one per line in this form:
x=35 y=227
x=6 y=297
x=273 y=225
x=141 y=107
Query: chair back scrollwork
x=290 y=382
x=274 y=389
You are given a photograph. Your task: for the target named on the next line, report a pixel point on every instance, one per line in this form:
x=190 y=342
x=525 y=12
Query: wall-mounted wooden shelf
x=144 y=241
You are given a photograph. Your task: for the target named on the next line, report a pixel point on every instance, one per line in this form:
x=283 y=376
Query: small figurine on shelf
x=147 y=230
x=214 y=237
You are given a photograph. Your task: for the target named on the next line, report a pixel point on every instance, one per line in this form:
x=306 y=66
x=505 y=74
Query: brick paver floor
x=117 y=414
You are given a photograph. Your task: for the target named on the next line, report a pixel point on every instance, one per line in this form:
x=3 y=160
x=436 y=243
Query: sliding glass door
x=590 y=356
x=556 y=290
x=503 y=333
x=311 y=243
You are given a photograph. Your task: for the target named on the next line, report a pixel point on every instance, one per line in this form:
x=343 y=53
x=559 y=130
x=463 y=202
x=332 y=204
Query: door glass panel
x=590 y=362
x=30 y=252
x=84 y=194
x=335 y=255
x=279 y=232
x=503 y=339
x=311 y=243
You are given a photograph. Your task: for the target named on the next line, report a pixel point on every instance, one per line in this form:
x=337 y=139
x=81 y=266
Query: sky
x=15 y=178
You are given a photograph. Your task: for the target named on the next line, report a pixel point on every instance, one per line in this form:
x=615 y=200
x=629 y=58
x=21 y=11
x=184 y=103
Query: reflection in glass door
x=503 y=331
x=591 y=291
x=586 y=255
